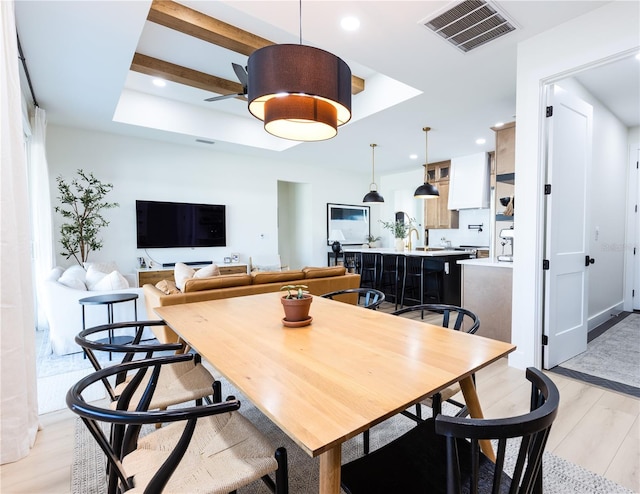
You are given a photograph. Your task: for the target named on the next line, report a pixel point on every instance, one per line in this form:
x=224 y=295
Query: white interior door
x=568 y=133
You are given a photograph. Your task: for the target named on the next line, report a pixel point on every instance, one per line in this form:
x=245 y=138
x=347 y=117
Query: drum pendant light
x=373 y=196
x=426 y=190
x=300 y=92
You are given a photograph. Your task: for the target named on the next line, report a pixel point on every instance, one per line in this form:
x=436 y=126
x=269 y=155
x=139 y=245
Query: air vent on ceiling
x=470 y=24
x=204 y=141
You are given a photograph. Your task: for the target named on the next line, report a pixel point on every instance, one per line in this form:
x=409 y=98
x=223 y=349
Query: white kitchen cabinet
x=469 y=182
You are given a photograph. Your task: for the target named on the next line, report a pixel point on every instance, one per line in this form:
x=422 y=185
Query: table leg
x=473 y=404
x=329 y=478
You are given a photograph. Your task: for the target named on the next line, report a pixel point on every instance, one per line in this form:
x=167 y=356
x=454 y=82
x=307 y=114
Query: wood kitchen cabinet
x=436 y=211
x=505 y=165
x=505 y=148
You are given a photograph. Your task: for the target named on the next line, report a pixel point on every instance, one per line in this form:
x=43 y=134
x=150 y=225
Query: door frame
x=633 y=198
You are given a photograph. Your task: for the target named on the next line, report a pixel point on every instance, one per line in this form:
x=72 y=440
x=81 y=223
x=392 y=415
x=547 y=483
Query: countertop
x=429 y=253
x=486 y=262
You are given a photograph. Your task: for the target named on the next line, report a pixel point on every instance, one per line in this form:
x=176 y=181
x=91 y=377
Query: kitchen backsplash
x=463 y=235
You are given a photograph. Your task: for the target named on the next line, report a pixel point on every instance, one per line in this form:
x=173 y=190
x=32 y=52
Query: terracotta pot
x=296 y=309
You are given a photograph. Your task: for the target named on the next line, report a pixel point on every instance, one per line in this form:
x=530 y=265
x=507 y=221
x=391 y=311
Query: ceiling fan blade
x=241 y=73
x=225 y=96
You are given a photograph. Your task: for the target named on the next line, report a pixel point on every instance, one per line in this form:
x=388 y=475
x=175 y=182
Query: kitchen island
x=451 y=276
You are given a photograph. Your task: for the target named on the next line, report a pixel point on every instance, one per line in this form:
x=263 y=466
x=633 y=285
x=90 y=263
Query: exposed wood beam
x=182 y=75
x=193 y=23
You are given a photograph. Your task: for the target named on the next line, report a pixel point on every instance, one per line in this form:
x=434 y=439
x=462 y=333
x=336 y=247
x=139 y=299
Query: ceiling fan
x=243 y=77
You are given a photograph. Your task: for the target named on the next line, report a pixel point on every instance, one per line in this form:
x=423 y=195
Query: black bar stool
x=422 y=280
x=369 y=269
x=392 y=268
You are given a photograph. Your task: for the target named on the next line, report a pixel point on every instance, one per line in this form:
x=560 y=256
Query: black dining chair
x=368 y=298
x=179 y=383
x=452 y=317
x=448 y=316
x=206 y=448
x=442 y=455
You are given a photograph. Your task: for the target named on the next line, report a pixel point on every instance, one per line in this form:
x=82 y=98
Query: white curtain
x=18 y=400
x=43 y=256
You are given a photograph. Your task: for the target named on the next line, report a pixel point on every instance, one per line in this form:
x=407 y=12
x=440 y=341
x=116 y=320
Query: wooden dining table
x=348 y=370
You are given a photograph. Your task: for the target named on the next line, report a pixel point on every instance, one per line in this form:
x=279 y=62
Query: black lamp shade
x=426 y=191
x=373 y=197
x=301 y=93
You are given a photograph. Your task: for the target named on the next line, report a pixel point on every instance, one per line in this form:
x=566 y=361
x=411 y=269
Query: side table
x=109 y=299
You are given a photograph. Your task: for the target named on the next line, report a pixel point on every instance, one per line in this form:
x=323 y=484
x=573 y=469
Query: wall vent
x=204 y=141
x=470 y=24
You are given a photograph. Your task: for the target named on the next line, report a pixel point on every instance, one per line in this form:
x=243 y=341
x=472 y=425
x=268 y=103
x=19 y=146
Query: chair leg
x=282 y=473
x=217 y=391
x=436 y=404
x=365 y=440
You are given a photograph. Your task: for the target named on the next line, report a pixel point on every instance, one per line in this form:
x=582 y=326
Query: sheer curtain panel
x=18 y=402
x=40 y=200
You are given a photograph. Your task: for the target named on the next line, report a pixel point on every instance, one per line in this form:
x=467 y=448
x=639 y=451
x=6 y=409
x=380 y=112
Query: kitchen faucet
x=417 y=237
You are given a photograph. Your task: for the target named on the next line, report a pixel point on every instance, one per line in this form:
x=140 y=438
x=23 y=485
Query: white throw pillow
x=94 y=276
x=103 y=267
x=111 y=281
x=74 y=277
x=182 y=273
x=207 y=271
x=54 y=274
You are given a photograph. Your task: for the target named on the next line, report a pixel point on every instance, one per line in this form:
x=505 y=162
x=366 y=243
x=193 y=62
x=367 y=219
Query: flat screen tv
x=177 y=224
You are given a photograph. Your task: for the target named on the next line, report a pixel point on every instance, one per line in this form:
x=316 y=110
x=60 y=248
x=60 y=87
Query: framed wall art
x=348 y=224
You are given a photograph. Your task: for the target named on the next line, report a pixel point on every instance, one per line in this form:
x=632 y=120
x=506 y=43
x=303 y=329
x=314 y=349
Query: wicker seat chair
x=206 y=448
x=179 y=383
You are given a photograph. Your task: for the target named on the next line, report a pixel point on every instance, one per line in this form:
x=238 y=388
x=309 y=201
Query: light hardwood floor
x=595 y=428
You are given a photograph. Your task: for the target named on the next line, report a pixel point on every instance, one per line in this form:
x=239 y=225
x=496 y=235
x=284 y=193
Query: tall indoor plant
x=81 y=204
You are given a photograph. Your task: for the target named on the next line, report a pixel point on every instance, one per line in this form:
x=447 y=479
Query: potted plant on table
x=296 y=304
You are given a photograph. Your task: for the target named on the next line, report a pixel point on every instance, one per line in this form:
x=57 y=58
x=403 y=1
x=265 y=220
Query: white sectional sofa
x=61 y=291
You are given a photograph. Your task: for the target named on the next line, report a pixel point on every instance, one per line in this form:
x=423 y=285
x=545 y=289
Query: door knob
x=588 y=260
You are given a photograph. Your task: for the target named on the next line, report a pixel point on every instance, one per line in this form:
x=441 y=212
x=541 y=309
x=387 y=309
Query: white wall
x=146 y=169
x=397 y=190
x=601 y=34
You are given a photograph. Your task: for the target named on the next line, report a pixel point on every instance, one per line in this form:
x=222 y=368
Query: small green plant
x=82 y=202
x=371 y=238
x=295 y=291
x=399 y=228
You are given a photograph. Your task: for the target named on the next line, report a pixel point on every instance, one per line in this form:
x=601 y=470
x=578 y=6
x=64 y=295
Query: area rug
x=560 y=476
x=611 y=360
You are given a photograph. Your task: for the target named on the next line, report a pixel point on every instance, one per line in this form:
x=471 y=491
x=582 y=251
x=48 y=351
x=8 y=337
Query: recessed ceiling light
x=499 y=124
x=413 y=156
x=480 y=141
x=159 y=82
x=350 y=23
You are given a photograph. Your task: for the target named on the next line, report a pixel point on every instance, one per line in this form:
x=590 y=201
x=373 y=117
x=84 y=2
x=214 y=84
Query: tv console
x=154 y=275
